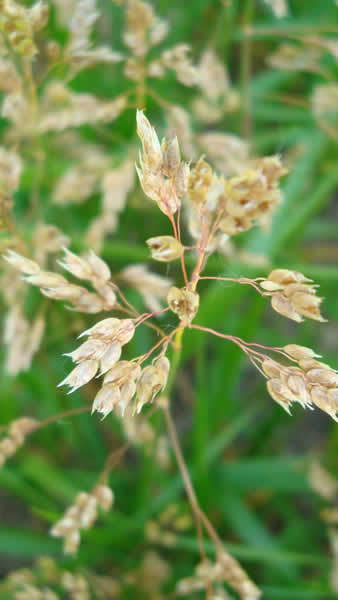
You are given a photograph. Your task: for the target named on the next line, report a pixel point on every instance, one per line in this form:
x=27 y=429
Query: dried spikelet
x=119 y=387
x=169 y=524
x=295 y=58
x=163 y=177
x=116 y=185
x=32 y=592
x=137 y=430
x=333 y=534
x=177 y=59
x=47 y=239
x=151 y=286
x=15 y=438
x=79 y=49
x=229 y=153
x=212 y=76
x=82 y=515
x=53 y=285
x=10 y=171
x=255 y=193
x=65 y=10
x=324 y=100
x=322 y=482
x=22 y=339
x=78 y=183
x=9 y=78
x=140 y=18
x=179 y=125
x=279 y=7
x=165 y=248
x=200 y=180
x=206 y=112
x=101 y=351
x=184 y=302
x=150 y=576
x=152 y=380
x=20 y=25
x=62 y=109
x=218 y=97
x=300 y=352
x=209 y=575
x=76 y=585
x=75 y=186
x=310 y=383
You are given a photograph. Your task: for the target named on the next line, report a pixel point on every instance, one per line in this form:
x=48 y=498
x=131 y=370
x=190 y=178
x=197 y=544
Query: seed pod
x=165 y=248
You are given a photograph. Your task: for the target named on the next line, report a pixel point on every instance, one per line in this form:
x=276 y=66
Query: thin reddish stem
x=214 y=226
x=149 y=315
x=164 y=341
x=172 y=220
x=127 y=303
x=241 y=280
x=179 y=223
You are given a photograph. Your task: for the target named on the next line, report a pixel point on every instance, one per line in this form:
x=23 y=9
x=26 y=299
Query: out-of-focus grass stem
x=245 y=69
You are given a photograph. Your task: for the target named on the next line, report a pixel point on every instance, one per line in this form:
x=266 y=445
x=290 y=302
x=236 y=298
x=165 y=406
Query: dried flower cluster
x=215 y=206
x=21 y=335
x=162 y=174
x=210 y=576
x=144 y=31
x=90 y=268
x=47 y=581
x=81 y=515
x=46 y=110
x=293 y=295
x=310 y=383
x=170 y=524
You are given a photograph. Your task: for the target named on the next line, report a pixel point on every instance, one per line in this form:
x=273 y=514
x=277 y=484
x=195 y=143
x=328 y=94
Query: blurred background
x=273 y=90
